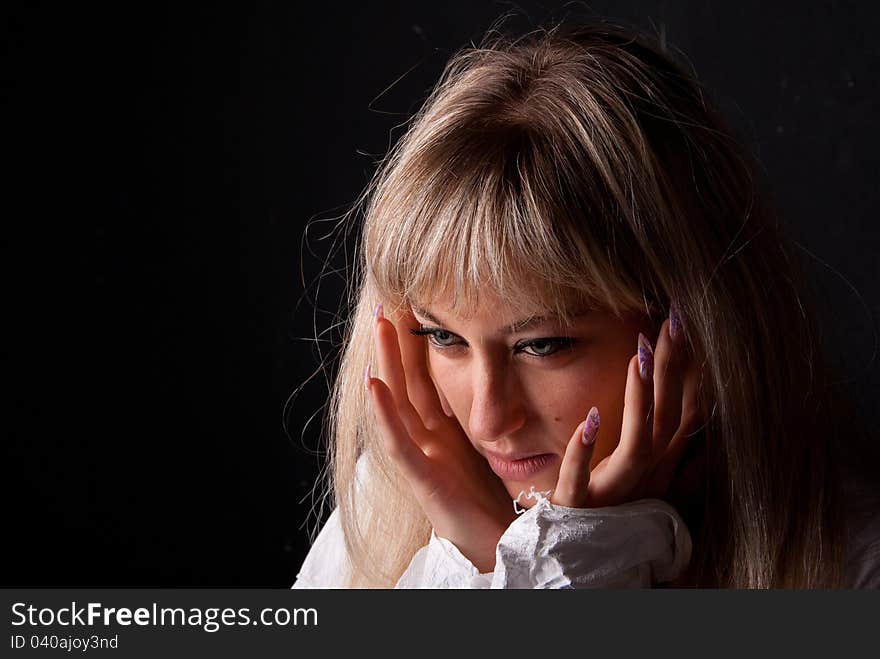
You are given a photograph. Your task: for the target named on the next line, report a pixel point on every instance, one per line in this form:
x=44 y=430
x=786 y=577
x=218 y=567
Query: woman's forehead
x=513 y=313
x=502 y=322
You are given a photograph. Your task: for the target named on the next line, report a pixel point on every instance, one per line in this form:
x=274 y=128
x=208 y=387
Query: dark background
x=161 y=304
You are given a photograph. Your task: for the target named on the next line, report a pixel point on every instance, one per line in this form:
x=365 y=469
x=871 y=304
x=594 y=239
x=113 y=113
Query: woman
x=554 y=199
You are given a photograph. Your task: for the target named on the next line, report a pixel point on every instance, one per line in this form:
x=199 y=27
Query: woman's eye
x=546 y=347
x=439 y=337
x=442 y=339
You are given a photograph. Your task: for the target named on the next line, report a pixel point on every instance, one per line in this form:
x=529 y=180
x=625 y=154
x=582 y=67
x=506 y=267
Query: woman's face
x=525 y=391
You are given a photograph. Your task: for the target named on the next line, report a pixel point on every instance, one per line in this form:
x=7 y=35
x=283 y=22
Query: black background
x=160 y=302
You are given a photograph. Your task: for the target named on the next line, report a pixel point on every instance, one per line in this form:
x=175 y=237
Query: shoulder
x=327 y=564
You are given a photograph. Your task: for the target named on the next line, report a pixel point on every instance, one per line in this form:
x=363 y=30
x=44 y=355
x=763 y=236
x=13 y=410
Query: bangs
x=482 y=216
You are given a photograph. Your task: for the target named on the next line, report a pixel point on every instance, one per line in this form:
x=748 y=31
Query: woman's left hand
x=662 y=411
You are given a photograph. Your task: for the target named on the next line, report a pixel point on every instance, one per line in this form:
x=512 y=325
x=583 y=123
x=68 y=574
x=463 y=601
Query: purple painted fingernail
x=377 y=313
x=674 y=321
x=367 y=378
x=646 y=358
x=591 y=427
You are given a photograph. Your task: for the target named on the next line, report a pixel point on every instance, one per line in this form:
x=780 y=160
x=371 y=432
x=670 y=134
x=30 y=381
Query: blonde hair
x=582 y=163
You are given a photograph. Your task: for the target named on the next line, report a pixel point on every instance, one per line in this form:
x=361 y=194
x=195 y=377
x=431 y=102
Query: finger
x=574 y=474
x=632 y=457
x=388 y=356
x=420 y=387
x=692 y=421
x=399 y=445
x=638 y=412
x=669 y=361
x=392 y=373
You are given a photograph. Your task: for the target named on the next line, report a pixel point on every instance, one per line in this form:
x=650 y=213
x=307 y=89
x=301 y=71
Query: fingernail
x=591 y=427
x=367 y=378
x=377 y=313
x=646 y=358
x=674 y=321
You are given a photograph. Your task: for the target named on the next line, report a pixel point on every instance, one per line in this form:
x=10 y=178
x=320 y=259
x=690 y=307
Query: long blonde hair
x=583 y=162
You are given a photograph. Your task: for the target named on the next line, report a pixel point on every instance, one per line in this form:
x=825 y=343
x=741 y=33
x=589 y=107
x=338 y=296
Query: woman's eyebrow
x=519 y=326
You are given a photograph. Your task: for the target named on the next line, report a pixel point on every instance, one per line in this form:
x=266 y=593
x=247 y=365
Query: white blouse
x=637 y=544
x=633 y=545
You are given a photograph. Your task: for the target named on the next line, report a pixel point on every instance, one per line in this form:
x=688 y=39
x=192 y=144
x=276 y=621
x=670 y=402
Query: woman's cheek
x=592 y=385
x=444 y=402
x=611 y=415
x=443 y=384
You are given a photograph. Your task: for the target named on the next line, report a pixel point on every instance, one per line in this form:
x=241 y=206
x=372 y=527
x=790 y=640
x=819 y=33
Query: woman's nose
x=497 y=406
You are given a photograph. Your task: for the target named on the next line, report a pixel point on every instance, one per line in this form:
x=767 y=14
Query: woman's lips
x=519 y=469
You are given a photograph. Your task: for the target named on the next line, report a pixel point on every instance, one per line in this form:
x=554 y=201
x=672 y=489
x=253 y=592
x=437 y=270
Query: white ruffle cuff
x=631 y=545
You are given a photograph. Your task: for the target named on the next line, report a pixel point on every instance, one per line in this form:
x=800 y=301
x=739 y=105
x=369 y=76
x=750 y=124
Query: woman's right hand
x=462 y=497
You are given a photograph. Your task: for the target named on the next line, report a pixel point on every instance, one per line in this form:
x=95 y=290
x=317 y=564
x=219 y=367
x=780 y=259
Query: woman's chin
x=526 y=493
